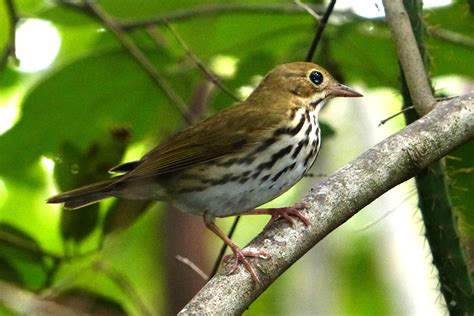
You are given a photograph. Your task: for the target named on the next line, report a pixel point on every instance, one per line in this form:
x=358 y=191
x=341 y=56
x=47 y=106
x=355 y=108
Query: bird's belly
x=233 y=198
x=238 y=185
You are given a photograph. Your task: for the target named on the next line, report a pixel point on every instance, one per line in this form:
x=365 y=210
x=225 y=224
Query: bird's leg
x=239 y=254
x=282 y=212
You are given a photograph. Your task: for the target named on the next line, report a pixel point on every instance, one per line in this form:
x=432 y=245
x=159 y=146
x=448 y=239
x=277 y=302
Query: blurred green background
x=74 y=103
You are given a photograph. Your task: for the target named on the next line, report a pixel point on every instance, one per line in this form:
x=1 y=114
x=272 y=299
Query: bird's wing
x=216 y=137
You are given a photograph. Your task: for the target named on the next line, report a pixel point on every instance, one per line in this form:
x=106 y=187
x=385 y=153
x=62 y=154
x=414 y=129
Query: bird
x=235 y=160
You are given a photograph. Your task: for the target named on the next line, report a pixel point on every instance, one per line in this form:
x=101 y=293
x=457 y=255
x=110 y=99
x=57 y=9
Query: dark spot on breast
x=275 y=157
x=243 y=180
x=298 y=148
x=282 y=171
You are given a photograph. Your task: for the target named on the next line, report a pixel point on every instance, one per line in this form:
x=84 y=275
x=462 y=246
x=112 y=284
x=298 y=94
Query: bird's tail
x=84 y=196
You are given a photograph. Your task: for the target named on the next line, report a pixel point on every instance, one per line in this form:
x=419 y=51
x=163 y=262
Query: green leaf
x=22 y=254
x=67 y=166
x=142 y=8
x=8 y=272
x=18 y=244
x=122 y=214
x=74 y=169
x=247 y=69
x=65 y=16
x=76 y=225
x=365 y=52
x=30 y=7
x=326 y=130
x=447 y=57
x=79 y=102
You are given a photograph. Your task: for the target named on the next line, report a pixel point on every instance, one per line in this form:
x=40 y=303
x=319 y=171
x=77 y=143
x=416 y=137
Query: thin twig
x=409 y=56
x=62 y=284
x=219 y=9
x=192 y=266
x=23 y=302
x=452 y=37
x=74 y=4
x=210 y=75
x=308 y=9
x=124 y=284
x=116 y=28
x=382 y=122
x=20 y=243
x=320 y=30
x=381 y=218
x=224 y=247
x=211 y=10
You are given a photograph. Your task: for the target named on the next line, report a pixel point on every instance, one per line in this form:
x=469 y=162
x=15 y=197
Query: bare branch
x=319 y=32
x=409 y=56
x=192 y=266
x=124 y=284
x=210 y=75
x=382 y=122
x=308 y=9
x=452 y=37
x=27 y=303
x=119 y=280
x=26 y=245
x=219 y=9
x=115 y=26
x=338 y=198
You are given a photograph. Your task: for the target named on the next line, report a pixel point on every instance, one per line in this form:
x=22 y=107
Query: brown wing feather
x=213 y=138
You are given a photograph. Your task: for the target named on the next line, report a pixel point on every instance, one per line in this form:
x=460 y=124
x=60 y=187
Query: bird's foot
x=240 y=255
x=286 y=213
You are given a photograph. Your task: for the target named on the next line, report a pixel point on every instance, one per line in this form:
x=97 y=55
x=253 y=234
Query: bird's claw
x=287 y=213
x=241 y=256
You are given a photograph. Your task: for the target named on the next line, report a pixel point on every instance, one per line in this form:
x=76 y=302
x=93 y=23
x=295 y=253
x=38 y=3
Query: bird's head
x=305 y=81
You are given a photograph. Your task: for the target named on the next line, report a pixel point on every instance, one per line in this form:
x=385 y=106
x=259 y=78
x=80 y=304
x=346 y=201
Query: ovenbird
x=235 y=160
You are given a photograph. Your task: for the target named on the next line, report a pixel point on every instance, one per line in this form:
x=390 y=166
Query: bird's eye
x=316 y=77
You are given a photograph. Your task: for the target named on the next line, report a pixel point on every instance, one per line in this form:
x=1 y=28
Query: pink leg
x=239 y=255
x=283 y=212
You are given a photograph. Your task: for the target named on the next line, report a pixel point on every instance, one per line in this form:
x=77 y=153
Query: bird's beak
x=340 y=90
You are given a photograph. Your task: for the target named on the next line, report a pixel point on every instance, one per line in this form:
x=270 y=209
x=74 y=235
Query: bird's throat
x=318 y=103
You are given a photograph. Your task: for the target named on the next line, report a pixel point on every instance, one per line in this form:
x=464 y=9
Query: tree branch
x=452 y=37
x=319 y=32
x=115 y=26
x=124 y=284
x=409 y=56
x=218 y=9
x=28 y=303
x=209 y=74
x=338 y=198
